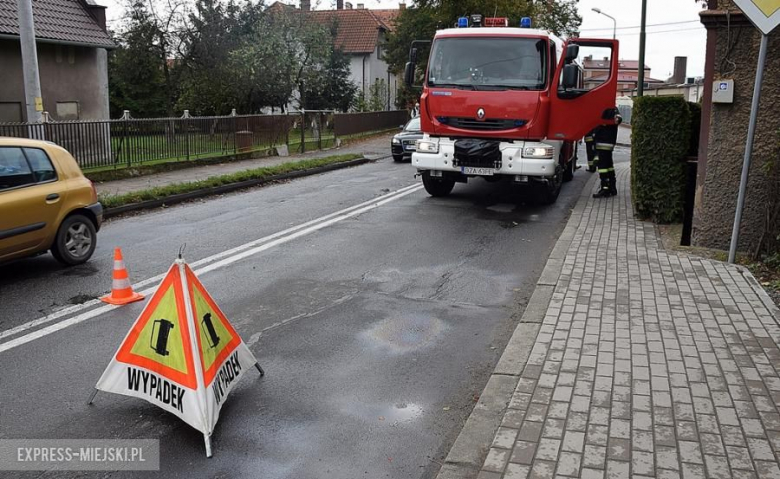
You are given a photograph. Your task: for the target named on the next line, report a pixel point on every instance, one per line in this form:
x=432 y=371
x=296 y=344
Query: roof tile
x=63 y=20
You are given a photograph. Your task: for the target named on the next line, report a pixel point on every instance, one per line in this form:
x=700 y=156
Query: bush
x=661 y=140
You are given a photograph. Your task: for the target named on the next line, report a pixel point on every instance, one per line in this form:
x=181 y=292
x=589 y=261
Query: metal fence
x=625 y=112
x=130 y=142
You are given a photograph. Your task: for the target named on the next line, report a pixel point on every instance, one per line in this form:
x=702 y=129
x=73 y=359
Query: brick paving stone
x=651 y=364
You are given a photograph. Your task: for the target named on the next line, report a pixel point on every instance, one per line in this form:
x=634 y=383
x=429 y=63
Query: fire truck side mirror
x=570 y=77
x=572 y=52
x=409 y=74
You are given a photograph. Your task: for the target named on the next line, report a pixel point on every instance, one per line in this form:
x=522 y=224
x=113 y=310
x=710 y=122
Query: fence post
x=303 y=131
x=126 y=118
x=319 y=130
x=235 y=130
x=185 y=117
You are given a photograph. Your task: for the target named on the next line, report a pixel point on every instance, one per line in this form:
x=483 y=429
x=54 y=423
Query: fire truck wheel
x=437 y=187
x=548 y=192
x=568 y=171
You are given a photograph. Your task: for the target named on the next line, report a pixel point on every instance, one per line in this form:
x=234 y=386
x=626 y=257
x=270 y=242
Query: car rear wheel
x=437 y=186
x=75 y=241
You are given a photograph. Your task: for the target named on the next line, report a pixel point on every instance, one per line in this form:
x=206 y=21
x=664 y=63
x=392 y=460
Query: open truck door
x=577 y=106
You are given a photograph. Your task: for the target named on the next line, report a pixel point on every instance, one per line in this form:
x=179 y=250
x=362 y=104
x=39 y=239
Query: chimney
x=360 y=6
x=305 y=5
x=339 y=4
x=680 y=70
x=98 y=12
x=402 y=6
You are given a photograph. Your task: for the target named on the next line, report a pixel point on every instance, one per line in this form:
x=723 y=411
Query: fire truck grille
x=477 y=163
x=490 y=124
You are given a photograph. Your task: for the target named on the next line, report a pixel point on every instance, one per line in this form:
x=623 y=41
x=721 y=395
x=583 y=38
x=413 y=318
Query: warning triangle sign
x=159 y=339
x=216 y=337
x=181 y=354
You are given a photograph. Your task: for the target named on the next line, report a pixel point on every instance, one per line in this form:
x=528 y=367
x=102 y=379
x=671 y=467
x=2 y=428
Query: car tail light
x=94 y=191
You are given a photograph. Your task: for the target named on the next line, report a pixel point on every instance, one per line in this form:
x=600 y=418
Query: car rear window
x=14 y=169
x=41 y=165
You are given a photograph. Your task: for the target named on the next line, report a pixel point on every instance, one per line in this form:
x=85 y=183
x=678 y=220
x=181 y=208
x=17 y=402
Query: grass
x=121 y=170
x=161 y=192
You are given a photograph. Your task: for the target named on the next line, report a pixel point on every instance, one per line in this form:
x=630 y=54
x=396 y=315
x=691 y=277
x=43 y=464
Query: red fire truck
x=508 y=104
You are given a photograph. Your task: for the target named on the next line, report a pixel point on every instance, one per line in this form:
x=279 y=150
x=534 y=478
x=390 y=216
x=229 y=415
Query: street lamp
x=614 y=31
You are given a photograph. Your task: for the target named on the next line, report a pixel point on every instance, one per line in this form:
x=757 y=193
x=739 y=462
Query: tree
x=144 y=72
x=136 y=80
x=334 y=89
x=214 y=31
x=559 y=17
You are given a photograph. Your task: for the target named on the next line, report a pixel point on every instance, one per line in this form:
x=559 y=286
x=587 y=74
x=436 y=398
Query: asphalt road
x=376 y=332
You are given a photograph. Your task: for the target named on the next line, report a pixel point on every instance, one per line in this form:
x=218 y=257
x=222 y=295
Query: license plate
x=411 y=147
x=468 y=170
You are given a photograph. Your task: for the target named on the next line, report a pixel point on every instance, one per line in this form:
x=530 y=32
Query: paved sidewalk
x=624 y=135
x=648 y=363
x=373 y=147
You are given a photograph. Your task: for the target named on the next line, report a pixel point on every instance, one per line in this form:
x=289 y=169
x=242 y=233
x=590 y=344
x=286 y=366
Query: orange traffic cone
x=121 y=289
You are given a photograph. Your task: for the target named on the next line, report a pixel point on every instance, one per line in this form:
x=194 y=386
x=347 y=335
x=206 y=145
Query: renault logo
x=481 y=114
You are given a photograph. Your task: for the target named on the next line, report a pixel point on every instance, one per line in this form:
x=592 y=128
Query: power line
x=665 y=31
x=638 y=26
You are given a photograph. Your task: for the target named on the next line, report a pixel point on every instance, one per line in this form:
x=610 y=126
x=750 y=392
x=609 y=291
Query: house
x=596 y=72
x=72 y=60
x=679 y=84
x=361 y=35
x=731 y=53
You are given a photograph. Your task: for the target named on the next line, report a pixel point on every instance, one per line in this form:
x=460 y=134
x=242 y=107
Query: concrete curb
x=471 y=447
x=761 y=292
x=182 y=197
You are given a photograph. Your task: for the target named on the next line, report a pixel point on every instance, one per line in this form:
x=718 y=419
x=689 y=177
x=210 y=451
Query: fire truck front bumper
x=522 y=159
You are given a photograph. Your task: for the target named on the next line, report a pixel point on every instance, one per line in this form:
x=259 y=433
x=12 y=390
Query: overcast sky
x=667 y=35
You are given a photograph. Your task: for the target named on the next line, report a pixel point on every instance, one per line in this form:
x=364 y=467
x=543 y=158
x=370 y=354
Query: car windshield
x=413 y=125
x=486 y=63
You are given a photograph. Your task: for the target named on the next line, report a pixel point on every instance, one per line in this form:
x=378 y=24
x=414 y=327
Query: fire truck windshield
x=488 y=63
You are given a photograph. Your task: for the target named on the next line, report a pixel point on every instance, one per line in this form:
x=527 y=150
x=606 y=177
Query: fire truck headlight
x=427 y=146
x=539 y=152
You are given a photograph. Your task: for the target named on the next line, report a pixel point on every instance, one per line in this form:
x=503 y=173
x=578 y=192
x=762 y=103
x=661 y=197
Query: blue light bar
x=463 y=22
x=525 y=22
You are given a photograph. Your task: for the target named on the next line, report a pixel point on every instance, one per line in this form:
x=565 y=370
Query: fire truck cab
x=506 y=103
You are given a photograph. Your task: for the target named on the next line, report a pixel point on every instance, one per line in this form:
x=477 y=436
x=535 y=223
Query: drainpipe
x=364 y=77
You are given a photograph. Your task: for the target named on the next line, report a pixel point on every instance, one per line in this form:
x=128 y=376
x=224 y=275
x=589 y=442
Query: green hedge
x=660 y=142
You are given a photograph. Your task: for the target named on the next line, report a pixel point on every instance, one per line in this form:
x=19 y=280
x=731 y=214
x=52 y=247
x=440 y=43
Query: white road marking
x=218 y=260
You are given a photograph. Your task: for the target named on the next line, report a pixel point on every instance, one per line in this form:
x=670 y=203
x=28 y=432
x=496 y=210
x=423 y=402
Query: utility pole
x=642 y=40
x=32 y=80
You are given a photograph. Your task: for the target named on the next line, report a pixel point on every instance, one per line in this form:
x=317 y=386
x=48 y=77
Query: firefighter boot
x=604 y=188
x=612 y=183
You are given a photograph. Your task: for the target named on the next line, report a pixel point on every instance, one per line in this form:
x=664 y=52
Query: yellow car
x=46 y=203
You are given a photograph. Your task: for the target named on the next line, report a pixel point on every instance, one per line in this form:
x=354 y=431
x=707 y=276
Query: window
x=10 y=112
x=67 y=110
x=41 y=165
x=14 y=169
x=485 y=63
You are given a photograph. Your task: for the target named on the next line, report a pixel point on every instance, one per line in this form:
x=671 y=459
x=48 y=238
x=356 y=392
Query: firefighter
x=590 y=150
x=605 y=139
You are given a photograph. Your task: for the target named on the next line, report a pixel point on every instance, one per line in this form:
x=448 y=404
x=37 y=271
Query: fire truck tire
x=437 y=187
x=548 y=193
x=568 y=171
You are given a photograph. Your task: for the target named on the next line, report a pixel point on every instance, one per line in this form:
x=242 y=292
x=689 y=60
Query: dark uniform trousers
x=605 y=140
x=590 y=149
